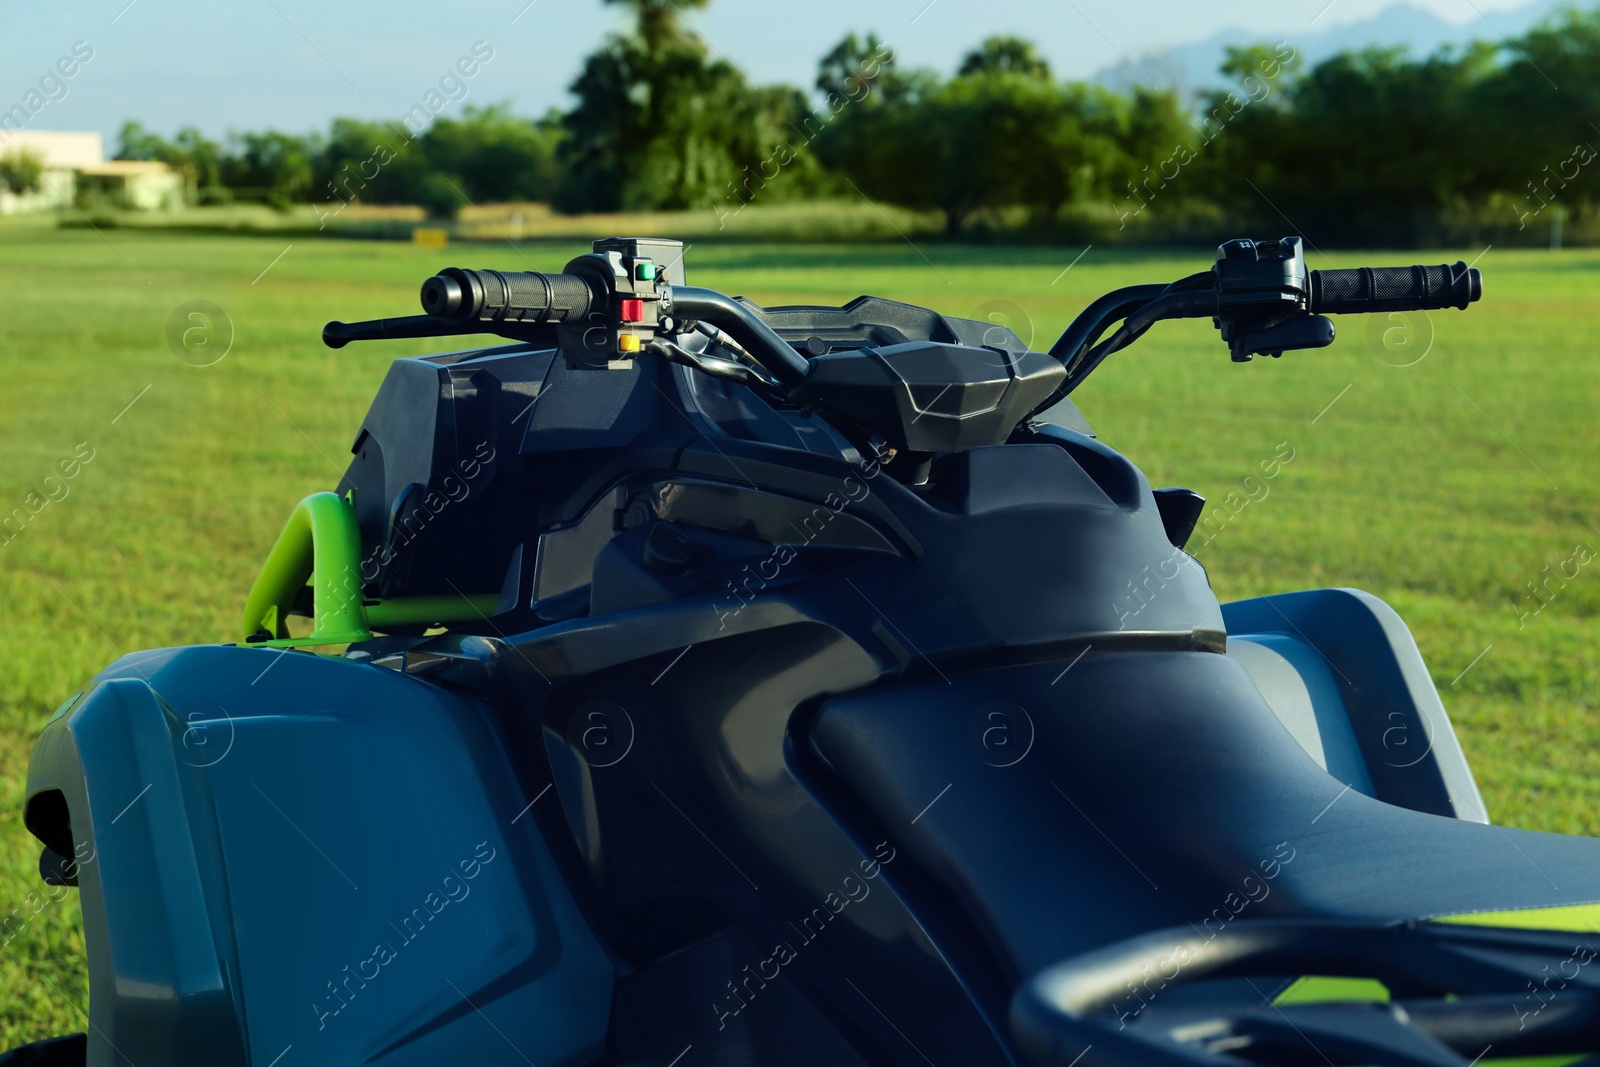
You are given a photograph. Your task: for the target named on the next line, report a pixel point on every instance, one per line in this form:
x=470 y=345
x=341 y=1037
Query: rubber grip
x=507 y=296
x=1376 y=289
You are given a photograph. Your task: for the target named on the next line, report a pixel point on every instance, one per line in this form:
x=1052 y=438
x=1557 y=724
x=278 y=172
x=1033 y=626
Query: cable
x=1174 y=305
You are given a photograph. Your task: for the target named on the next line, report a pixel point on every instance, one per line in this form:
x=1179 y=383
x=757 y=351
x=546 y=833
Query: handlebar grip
x=460 y=295
x=1377 y=289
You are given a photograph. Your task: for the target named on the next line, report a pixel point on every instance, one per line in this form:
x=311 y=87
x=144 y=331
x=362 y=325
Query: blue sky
x=294 y=64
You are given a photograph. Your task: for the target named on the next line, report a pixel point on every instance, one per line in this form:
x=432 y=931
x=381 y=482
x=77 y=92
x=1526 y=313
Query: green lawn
x=1444 y=487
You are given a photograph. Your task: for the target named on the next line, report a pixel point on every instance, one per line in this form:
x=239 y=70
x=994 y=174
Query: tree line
x=1493 y=139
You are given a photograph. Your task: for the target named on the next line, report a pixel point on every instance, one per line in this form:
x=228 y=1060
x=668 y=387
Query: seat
x=1157 y=789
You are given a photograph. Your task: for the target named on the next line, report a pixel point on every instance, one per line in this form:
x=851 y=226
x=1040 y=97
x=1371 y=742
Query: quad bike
x=718 y=684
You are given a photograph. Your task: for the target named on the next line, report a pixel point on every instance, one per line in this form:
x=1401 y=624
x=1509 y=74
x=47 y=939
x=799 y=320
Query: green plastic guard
x=321 y=543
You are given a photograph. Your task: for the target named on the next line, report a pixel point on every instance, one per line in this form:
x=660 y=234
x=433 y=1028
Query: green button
x=645 y=271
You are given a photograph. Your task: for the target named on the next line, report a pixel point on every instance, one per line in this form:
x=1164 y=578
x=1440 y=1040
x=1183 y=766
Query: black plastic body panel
x=689 y=822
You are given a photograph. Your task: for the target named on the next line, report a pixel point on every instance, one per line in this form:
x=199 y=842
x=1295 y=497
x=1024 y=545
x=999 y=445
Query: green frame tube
x=321 y=544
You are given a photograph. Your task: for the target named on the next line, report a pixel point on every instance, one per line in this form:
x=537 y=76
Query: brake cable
x=1172 y=305
x=1077 y=348
x=713 y=365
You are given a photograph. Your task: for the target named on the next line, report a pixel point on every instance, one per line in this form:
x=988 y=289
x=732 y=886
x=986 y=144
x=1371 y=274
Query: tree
x=373 y=162
x=886 y=145
x=22 y=170
x=1005 y=55
x=136 y=142
x=1534 y=141
x=659 y=124
x=999 y=135
x=630 y=93
x=274 y=166
x=853 y=67
x=496 y=156
x=1366 y=146
x=658 y=21
x=1246 y=63
x=190 y=153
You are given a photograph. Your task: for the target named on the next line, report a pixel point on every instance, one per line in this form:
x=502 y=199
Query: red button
x=633 y=311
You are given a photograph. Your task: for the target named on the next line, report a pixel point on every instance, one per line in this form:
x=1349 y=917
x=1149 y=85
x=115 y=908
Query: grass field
x=1445 y=486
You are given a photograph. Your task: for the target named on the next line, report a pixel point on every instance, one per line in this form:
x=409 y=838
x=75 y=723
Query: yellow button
x=628 y=342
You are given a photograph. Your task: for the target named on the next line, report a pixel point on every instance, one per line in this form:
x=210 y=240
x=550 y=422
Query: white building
x=76 y=168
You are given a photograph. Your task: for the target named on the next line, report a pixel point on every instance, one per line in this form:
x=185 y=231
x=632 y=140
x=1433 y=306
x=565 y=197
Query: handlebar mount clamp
x=1263 y=295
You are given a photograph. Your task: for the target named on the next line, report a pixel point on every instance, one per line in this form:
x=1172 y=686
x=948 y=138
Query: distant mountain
x=1192 y=68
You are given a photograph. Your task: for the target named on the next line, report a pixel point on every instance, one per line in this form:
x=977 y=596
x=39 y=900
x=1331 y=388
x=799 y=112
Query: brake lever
x=1308 y=331
x=338 y=334
x=715 y=366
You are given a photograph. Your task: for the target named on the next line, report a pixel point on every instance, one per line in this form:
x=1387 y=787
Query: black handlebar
x=1263 y=300
x=458 y=295
x=769 y=350
x=1365 y=290
x=617 y=302
x=473 y=296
